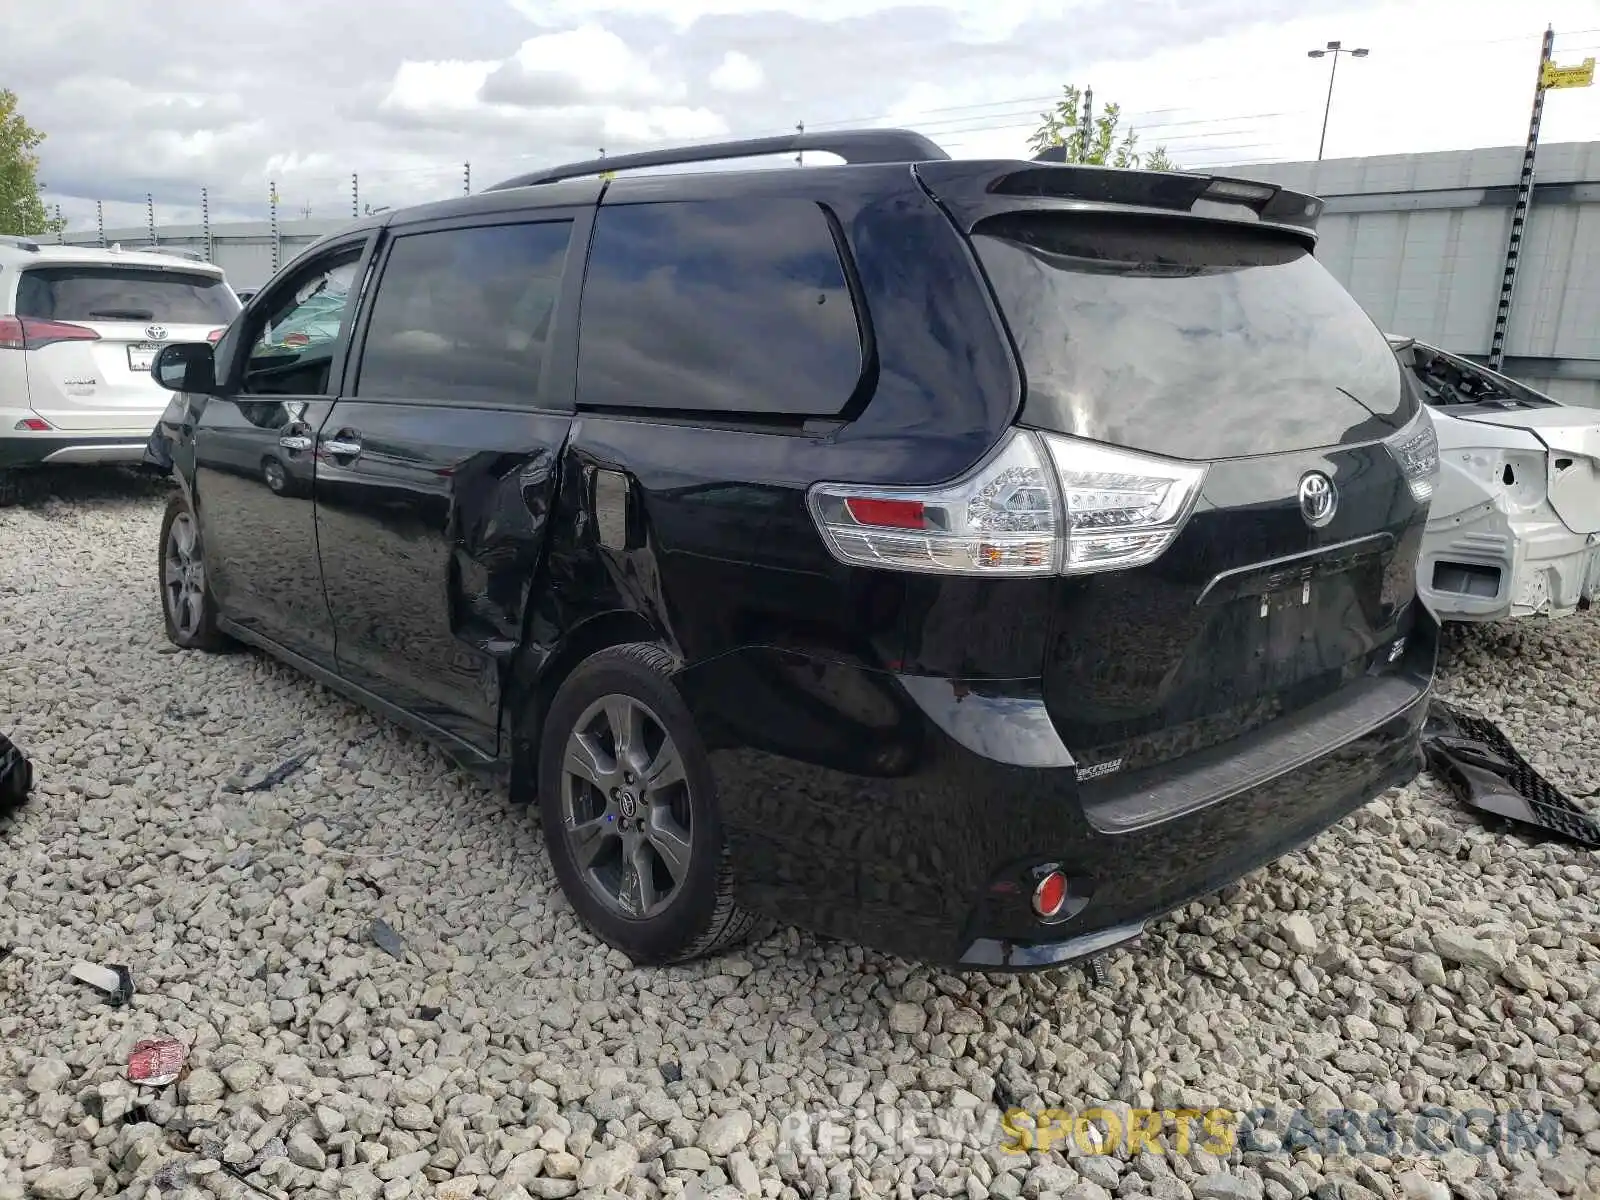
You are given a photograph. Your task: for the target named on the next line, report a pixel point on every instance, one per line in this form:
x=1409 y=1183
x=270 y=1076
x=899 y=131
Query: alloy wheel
x=183 y=577
x=626 y=808
x=273 y=472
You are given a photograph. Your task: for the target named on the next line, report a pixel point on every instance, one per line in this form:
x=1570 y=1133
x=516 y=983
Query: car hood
x=1572 y=435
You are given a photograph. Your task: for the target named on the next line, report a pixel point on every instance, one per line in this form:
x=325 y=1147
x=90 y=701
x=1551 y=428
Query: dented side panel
x=430 y=542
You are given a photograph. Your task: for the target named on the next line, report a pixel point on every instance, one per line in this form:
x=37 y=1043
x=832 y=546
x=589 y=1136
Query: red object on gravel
x=156 y=1061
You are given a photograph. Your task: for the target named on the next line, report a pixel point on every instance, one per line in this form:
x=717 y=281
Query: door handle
x=340 y=448
x=295 y=441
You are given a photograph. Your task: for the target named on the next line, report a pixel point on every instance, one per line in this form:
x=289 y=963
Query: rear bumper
x=63 y=450
x=865 y=809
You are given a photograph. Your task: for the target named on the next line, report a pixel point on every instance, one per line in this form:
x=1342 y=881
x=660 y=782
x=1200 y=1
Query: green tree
x=1102 y=142
x=21 y=210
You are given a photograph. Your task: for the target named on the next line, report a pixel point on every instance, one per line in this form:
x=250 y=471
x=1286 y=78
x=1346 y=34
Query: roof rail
x=852 y=145
x=20 y=243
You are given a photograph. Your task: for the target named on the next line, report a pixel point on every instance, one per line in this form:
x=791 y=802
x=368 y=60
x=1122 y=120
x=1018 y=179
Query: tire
x=636 y=824
x=274 y=475
x=188 y=609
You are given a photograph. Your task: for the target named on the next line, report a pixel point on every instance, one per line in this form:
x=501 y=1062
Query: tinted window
x=1185 y=338
x=124 y=294
x=465 y=314
x=731 y=305
x=294 y=335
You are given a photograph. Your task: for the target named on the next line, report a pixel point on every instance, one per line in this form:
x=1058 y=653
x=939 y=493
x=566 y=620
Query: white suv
x=78 y=327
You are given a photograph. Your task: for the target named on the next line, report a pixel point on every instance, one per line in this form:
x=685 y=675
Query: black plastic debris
x=116 y=982
x=1481 y=766
x=273 y=777
x=16 y=776
x=390 y=942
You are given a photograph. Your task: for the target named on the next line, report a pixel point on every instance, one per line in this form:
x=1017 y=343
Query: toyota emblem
x=1319 y=499
x=156 y=333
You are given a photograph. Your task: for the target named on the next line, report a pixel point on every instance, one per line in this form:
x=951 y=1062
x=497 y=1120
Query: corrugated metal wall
x=1420 y=241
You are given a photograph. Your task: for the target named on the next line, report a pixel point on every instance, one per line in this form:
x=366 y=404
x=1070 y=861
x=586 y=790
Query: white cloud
x=674 y=123
x=433 y=87
x=590 y=62
x=737 y=72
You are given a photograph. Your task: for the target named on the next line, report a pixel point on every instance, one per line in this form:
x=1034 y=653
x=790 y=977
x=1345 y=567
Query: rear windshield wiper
x=123 y=314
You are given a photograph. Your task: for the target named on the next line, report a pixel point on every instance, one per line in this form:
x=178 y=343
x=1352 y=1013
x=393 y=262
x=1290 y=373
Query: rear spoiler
x=973 y=191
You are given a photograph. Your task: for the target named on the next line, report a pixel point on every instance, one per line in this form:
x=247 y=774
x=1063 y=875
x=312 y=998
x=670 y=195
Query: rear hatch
x=91 y=330
x=1226 y=344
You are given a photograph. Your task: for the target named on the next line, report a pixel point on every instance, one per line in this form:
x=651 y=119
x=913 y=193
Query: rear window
x=729 y=306
x=124 y=294
x=1185 y=338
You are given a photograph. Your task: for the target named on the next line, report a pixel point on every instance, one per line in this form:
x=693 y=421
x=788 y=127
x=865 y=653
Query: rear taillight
x=215 y=336
x=30 y=333
x=1042 y=504
x=1416 y=451
x=1123 y=509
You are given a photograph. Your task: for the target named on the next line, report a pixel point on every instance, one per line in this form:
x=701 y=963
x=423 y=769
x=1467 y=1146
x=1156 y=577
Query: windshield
x=1187 y=338
x=97 y=293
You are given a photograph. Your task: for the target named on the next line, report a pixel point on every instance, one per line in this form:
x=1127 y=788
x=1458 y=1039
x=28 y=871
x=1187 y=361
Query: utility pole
x=800 y=155
x=150 y=218
x=1519 y=209
x=205 y=224
x=466 y=177
x=100 y=221
x=355 y=196
x=1335 y=49
x=61 y=228
x=272 y=214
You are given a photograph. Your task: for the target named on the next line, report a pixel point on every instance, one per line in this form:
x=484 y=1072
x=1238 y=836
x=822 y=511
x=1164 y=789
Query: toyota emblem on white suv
x=1318 y=499
x=156 y=333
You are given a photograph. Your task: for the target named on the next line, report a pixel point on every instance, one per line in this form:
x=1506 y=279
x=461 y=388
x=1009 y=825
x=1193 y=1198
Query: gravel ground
x=1408 y=958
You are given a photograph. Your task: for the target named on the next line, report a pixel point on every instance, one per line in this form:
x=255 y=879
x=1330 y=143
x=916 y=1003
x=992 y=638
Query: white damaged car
x=1514 y=529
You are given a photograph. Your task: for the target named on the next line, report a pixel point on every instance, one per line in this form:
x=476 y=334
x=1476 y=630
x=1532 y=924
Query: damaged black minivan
x=973 y=559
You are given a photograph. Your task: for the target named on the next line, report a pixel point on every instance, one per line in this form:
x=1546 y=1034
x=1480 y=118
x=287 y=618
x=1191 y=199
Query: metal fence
x=1419 y=240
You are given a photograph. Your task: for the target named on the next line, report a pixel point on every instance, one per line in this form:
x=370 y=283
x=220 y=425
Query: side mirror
x=185 y=367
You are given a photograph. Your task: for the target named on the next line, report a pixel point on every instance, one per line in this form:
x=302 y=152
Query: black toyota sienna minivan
x=973 y=559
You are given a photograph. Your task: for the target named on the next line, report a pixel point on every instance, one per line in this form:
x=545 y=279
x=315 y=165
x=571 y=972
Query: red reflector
x=215 y=335
x=34 y=424
x=156 y=1062
x=1050 y=894
x=893 y=514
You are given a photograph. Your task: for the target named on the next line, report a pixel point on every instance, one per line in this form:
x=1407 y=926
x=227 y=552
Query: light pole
x=1335 y=49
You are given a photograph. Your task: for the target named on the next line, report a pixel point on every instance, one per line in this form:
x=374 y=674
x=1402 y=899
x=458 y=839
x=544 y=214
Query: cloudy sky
x=168 y=97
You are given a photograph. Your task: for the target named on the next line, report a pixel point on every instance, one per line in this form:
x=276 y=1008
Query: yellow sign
x=1581 y=75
